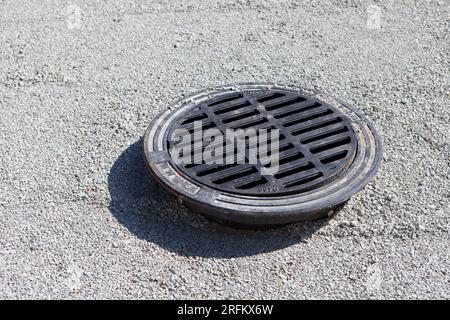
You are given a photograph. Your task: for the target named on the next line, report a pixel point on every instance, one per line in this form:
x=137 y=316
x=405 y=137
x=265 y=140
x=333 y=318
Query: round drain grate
x=320 y=152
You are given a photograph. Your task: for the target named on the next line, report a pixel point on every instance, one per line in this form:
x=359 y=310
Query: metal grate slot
x=303 y=181
x=311 y=117
x=324 y=135
x=214 y=170
x=250 y=124
x=297 y=110
x=288 y=158
x=319 y=125
x=285 y=104
x=335 y=157
x=240 y=116
x=294 y=170
x=236 y=175
x=331 y=145
x=195 y=118
x=270 y=97
x=233 y=108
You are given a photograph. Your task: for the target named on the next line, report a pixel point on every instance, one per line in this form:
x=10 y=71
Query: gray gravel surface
x=79 y=215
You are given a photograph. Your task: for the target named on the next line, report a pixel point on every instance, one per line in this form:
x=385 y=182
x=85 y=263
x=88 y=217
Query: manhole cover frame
x=259 y=211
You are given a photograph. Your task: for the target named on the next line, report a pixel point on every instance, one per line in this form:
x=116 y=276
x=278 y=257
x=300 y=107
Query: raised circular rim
x=257 y=210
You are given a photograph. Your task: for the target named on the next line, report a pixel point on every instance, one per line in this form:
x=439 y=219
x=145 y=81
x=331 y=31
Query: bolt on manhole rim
x=325 y=152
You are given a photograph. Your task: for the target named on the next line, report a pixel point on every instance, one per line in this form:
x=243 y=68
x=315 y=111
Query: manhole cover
x=262 y=155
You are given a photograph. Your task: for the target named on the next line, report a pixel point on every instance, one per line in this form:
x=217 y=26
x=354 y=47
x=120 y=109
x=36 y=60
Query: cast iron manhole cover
x=260 y=155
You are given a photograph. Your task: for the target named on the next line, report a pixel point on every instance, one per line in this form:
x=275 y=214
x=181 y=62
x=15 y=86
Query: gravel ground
x=80 y=81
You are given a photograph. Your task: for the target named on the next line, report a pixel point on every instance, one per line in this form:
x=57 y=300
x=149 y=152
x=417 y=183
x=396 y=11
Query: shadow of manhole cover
x=262 y=155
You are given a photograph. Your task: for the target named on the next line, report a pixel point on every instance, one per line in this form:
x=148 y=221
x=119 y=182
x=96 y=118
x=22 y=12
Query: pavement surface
x=81 y=80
